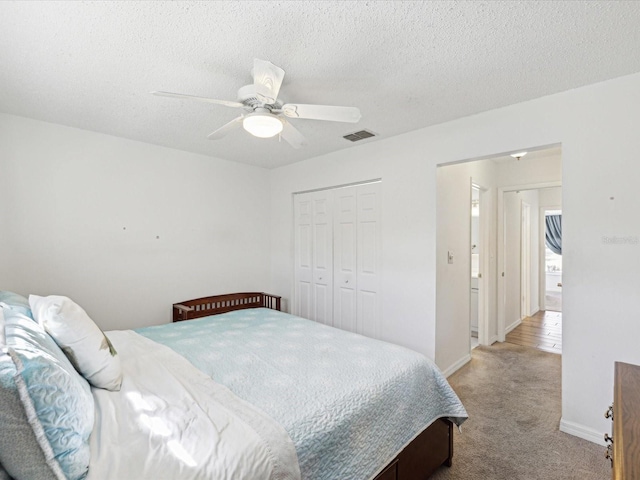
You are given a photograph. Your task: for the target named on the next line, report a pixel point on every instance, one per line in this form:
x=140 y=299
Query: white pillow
x=86 y=346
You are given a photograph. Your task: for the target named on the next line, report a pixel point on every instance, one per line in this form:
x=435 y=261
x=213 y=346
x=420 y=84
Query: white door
x=313 y=256
x=512 y=263
x=338 y=257
x=303 y=291
x=345 y=266
x=525 y=259
x=322 y=278
x=368 y=260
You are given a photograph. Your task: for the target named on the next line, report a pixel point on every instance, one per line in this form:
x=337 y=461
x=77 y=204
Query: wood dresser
x=625 y=411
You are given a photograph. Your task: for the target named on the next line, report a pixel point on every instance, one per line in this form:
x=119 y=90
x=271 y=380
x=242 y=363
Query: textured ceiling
x=406 y=65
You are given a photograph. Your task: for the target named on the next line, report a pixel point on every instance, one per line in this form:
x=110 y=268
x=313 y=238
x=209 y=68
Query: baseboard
x=457 y=366
x=581 y=431
x=493 y=339
x=512 y=326
x=535 y=310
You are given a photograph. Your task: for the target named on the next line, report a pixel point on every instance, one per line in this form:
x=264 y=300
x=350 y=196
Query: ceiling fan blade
x=267 y=79
x=226 y=128
x=322 y=112
x=226 y=103
x=292 y=136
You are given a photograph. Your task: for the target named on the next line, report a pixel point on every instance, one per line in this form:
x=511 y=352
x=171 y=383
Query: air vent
x=361 y=135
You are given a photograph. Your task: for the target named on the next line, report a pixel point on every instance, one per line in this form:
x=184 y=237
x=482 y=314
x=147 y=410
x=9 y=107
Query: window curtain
x=553 y=233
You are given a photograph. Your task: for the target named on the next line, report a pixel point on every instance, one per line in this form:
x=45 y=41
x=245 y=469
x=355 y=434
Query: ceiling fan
x=264 y=115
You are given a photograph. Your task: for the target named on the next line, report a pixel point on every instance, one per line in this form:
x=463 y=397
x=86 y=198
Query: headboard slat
x=203 y=307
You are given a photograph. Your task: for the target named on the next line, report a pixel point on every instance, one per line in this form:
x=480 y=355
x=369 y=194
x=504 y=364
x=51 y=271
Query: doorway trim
x=525 y=259
x=501 y=246
x=483 y=267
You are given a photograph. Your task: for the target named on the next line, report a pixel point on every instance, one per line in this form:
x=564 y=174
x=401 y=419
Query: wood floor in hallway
x=542 y=331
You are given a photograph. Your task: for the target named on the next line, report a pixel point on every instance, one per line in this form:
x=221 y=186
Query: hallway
x=542 y=331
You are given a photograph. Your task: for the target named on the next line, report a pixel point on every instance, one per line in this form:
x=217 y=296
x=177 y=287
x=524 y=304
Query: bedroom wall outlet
x=449 y=257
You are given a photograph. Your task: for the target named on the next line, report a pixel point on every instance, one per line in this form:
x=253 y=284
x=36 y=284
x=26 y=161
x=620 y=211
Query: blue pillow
x=4 y=475
x=20 y=454
x=56 y=399
x=16 y=302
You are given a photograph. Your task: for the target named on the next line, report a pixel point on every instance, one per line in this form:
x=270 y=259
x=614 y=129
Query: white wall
x=531 y=170
x=67 y=196
x=596 y=127
x=453 y=280
x=550 y=197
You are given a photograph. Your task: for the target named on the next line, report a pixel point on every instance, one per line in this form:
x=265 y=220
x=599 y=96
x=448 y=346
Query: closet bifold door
x=314 y=256
x=337 y=253
x=345 y=227
x=368 y=263
x=357 y=259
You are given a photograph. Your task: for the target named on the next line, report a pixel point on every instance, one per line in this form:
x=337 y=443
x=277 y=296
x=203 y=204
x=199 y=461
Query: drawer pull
x=609 y=454
x=609 y=412
x=608 y=439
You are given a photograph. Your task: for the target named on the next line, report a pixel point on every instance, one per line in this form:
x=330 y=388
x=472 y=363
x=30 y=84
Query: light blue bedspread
x=349 y=403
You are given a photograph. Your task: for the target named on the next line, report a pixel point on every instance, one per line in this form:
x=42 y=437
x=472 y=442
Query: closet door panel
x=367 y=314
x=368 y=262
x=303 y=305
x=323 y=257
x=323 y=307
x=345 y=316
x=345 y=259
x=337 y=257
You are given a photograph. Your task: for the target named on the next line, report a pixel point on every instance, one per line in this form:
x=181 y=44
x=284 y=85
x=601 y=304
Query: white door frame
x=525 y=259
x=484 y=279
x=501 y=245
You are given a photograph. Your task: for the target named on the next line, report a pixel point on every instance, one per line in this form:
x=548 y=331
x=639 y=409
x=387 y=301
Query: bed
x=234 y=388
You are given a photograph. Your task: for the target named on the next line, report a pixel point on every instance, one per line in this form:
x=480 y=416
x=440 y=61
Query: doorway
x=552 y=286
x=525 y=261
x=456 y=207
x=532 y=323
x=475 y=265
x=480 y=245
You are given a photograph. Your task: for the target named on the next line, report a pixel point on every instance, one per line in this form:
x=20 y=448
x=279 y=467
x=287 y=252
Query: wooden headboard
x=203 y=307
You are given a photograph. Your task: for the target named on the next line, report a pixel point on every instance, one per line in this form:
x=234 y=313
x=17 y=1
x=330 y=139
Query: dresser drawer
x=626 y=422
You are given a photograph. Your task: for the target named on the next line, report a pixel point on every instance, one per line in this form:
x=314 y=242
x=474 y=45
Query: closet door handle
x=609 y=412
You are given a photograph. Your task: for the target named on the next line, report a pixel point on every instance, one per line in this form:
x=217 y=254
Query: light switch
x=449 y=257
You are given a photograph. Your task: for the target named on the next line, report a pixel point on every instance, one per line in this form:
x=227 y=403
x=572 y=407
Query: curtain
x=553 y=233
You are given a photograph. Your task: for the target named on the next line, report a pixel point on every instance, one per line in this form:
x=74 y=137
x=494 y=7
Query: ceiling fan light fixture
x=262 y=124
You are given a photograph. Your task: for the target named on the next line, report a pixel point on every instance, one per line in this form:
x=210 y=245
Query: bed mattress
x=349 y=403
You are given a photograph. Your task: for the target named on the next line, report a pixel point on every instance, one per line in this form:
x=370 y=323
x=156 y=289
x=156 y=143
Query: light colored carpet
x=512 y=395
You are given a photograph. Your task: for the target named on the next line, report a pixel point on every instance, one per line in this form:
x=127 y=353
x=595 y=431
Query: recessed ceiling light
x=518 y=155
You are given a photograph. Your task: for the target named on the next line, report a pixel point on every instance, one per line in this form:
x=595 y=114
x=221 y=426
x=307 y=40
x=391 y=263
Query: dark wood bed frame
x=417 y=461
